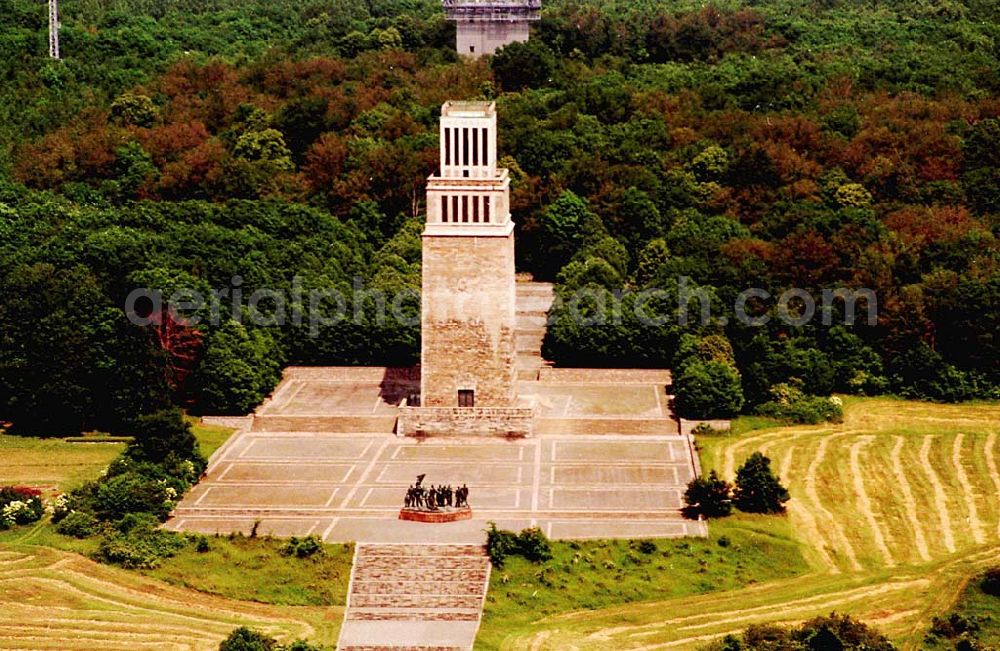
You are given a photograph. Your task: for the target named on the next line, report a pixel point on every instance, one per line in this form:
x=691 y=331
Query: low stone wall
x=235 y=422
x=465 y=421
x=604 y=376
x=339 y=424
x=353 y=373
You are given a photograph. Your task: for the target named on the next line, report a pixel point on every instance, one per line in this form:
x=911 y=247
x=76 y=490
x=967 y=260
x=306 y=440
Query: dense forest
x=764 y=144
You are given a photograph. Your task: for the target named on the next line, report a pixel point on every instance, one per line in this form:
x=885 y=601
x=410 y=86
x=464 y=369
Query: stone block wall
x=476 y=421
x=476 y=39
x=468 y=320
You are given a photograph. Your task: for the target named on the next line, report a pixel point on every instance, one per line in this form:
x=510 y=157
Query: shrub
x=245 y=639
x=165 y=437
x=131 y=492
x=78 y=524
x=990 y=583
x=137 y=543
x=530 y=544
x=647 y=546
x=704 y=429
x=533 y=545
x=832 y=632
x=758 y=490
x=500 y=544
x=804 y=410
x=20 y=505
x=303 y=547
x=709 y=496
x=955 y=625
x=301 y=645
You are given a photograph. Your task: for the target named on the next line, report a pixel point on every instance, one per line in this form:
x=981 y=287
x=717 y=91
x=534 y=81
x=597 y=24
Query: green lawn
x=252 y=569
x=210 y=437
x=52 y=462
x=598 y=574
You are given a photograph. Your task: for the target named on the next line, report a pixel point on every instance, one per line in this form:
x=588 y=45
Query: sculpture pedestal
x=441 y=515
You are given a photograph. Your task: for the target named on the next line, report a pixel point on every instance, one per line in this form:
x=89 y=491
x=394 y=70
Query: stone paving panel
x=312 y=397
x=292 y=471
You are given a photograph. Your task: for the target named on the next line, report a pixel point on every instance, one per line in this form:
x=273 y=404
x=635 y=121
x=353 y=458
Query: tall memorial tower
x=485 y=26
x=468 y=293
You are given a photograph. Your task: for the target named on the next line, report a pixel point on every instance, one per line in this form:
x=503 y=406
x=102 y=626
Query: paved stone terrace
x=349 y=487
x=320 y=457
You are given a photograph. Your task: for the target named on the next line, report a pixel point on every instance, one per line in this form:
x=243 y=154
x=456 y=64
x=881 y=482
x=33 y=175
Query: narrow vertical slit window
x=454 y=208
x=447 y=145
x=486 y=209
x=486 y=155
x=475 y=209
x=465 y=208
x=444 y=208
x=475 y=146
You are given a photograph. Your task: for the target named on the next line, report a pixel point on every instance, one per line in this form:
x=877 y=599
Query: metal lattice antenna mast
x=54 y=29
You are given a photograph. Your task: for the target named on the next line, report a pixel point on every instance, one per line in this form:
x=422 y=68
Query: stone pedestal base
x=442 y=515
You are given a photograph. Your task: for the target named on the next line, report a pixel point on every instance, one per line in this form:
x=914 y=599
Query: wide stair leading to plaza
x=533 y=303
x=415 y=597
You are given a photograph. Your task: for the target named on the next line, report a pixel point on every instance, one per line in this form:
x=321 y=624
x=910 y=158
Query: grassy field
x=895 y=509
x=252 y=569
x=53 y=597
x=210 y=437
x=57 y=600
x=52 y=463
x=595 y=575
x=61 y=466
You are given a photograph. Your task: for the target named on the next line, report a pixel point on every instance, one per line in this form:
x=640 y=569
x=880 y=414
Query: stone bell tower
x=468 y=294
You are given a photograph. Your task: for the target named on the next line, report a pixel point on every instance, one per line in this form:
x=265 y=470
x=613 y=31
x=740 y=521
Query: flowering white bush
x=18 y=512
x=19 y=505
x=188 y=469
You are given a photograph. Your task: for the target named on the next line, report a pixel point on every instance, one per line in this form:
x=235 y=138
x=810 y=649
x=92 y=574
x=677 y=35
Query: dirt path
x=940 y=499
x=865 y=503
x=991 y=464
x=908 y=501
x=810 y=484
x=975 y=524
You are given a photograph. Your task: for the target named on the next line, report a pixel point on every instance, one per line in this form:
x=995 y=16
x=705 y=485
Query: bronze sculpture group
x=434 y=498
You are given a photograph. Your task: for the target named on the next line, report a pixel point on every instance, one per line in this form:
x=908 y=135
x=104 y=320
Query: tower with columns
x=468 y=292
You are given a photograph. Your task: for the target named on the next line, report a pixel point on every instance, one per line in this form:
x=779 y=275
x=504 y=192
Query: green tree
x=708 y=390
x=239 y=368
x=131 y=109
x=709 y=496
x=53 y=327
x=758 y=489
x=165 y=434
x=520 y=65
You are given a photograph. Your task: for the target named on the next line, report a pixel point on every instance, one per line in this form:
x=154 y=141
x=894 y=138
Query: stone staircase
x=415 y=597
x=533 y=302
